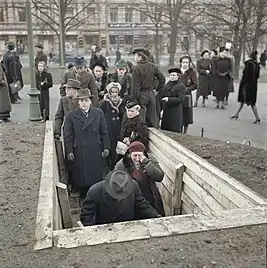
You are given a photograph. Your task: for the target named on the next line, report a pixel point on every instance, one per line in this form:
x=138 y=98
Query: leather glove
x=105 y=154
x=57 y=136
x=70 y=156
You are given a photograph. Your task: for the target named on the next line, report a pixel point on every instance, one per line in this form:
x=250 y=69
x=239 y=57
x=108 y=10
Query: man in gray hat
x=116 y=199
x=86 y=78
x=70 y=73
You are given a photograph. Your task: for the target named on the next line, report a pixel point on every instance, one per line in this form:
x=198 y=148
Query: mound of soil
x=20 y=169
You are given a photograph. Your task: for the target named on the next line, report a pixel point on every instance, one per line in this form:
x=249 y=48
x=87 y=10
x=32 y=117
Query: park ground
x=21 y=145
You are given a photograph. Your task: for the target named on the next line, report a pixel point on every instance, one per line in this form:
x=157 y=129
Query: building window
x=69 y=11
x=128 y=15
x=2 y=18
x=143 y=15
x=22 y=14
x=113 y=14
x=91 y=13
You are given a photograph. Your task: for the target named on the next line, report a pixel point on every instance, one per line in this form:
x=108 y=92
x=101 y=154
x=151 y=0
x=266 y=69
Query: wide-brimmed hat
x=84 y=94
x=142 y=51
x=121 y=64
x=118 y=184
x=73 y=83
x=113 y=85
x=79 y=62
x=173 y=70
x=39 y=46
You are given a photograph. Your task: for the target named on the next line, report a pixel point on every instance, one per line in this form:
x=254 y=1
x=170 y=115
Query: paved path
x=216 y=123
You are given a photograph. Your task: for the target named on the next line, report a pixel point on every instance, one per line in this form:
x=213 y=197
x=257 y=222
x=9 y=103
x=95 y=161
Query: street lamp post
x=34 y=107
x=61 y=37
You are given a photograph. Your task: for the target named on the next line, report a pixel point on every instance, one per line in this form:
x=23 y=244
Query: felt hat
x=136 y=146
x=121 y=64
x=79 y=62
x=10 y=46
x=119 y=185
x=131 y=103
x=142 y=51
x=70 y=65
x=173 y=70
x=39 y=45
x=113 y=85
x=73 y=83
x=204 y=52
x=84 y=94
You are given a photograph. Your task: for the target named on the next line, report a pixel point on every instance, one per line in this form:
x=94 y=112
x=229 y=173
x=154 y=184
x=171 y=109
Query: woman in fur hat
x=113 y=111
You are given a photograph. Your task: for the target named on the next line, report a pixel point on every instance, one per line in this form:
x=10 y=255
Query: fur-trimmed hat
x=113 y=85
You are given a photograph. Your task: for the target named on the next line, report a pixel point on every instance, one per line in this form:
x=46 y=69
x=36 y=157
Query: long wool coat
x=173 y=109
x=5 y=104
x=86 y=137
x=189 y=79
x=152 y=174
x=249 y=83
x=44 y=97
x=203 y=78
x=113 y=115
x=222 y=77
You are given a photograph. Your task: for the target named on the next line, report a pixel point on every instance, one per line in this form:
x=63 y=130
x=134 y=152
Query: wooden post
x=178 y=188
x=60 y=161
x=64 y=203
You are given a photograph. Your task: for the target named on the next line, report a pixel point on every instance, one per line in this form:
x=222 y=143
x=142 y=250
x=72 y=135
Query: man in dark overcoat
x=40 y=55
x=144 y=74
x=86 y=142
x=86 y=78
x=98 y=59
x=116 y=199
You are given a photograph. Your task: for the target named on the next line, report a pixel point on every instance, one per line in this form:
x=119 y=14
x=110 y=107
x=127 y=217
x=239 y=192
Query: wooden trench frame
x=207 y=198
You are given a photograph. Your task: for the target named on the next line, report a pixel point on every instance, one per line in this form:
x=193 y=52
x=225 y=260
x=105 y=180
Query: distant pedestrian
x=40 y=55
x=98 y=59
x=100 y=75
x=118 y=56
x=248 y=87
x=263 y=59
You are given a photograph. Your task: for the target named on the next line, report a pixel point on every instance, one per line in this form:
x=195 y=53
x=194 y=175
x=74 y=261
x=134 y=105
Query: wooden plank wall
x=205 y=187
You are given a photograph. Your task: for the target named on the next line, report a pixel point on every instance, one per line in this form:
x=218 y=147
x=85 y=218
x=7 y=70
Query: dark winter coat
x=172 y=118
x=203 y=78
x=102 y=61
x=126 y=83
x=18 y=69
x=212 y=78
x=86 y=137
x=10 y=64
x=189 y=79
x=65 y=105
x=101 y=85
x=40 y=56
x=68 y=74
x=136 y=127
x=113 y=115
x=44 y=91
x=249 y=83
x=5 y=104
x=222 y=76
x=152 y=174
x=88 y=81
x=100 y=208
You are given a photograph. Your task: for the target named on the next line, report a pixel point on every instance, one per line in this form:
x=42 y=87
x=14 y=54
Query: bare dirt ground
x=20 y=168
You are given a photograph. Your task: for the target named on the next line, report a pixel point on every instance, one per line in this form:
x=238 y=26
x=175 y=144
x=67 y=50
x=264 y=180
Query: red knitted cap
x=136 y=146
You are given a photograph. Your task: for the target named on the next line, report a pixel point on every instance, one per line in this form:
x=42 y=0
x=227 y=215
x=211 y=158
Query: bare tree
x=73 y=14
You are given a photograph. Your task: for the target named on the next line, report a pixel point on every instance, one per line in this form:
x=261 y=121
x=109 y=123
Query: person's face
x=206 y=56
x=135 y=157
x=185 y=63
x=136 y=57
x=40 y=67
x=132 y=112
x=68 y=91
x=174 y=76
x=98 y=71
x=223 y=54
x=121 y=71
x=212 y=54
x=114 y=92
x=79 y=70
x=39 y=49
x=85 y=103
x=1 y=56
x=98 y=53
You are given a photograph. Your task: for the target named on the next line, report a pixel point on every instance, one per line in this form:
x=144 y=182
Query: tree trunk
x=173 y=42
x=157 y=45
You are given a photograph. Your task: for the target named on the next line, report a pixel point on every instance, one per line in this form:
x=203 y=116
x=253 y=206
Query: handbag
x=121 y=148
x=187 y=101
x=15 y=87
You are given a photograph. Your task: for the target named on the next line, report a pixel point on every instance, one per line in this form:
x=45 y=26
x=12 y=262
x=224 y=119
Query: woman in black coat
x=172 y=98
x=100 y=75
x=44 y=82
x=249 y=86
x=189 y=79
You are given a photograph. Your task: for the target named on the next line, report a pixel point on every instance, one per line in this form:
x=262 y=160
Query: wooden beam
x=159 y=227
x=61 y=162
x=63 y=198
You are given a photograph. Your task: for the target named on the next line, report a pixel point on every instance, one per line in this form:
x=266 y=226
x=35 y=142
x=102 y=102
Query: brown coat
x=65 y=105
x=5 y=104
x=88 y=81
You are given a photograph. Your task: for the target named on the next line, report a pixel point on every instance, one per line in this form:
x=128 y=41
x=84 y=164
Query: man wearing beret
x=144 y=74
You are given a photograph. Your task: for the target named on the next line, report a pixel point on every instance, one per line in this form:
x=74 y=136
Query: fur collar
x=112 y=104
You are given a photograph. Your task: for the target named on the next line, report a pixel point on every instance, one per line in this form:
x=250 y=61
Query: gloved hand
x=57 y=136
x=70 y=156
x=105 y=154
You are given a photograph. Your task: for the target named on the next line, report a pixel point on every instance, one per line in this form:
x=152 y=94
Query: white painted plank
x=202 y=194
x=222 y=182
x=44 y=217
x=189 y=204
